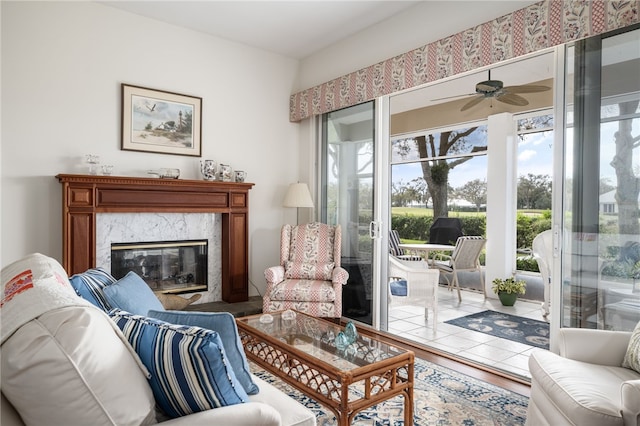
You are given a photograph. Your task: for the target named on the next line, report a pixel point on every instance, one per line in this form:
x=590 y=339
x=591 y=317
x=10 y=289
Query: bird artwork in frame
x=161 y=122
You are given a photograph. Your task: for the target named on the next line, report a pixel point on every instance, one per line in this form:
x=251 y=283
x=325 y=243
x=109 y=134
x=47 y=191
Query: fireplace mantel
x=84 y=196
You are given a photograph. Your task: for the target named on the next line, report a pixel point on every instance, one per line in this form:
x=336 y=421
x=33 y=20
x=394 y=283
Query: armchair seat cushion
x=590 y=392
x=303 y=291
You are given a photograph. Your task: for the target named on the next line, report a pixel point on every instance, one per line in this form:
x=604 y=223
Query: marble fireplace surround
x=97 y=209
x=114 y=228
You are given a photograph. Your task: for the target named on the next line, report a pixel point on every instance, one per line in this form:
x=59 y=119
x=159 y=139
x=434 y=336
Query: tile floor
x=409 y=322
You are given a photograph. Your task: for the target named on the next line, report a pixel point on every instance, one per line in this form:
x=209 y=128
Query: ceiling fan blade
x=473 y=102
x=451 y=97
x=526 y=88
x=512 y=99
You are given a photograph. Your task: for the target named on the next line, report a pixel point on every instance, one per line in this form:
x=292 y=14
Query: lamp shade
x=298 y=195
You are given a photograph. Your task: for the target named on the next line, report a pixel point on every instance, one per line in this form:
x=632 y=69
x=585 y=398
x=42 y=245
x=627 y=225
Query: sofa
x=65 y=361
x=593 y=380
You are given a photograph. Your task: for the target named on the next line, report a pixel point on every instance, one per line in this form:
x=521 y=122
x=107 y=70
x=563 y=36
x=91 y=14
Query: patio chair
x=396 y=251
x=465 y=257
x=414 y=283
x=543 y=254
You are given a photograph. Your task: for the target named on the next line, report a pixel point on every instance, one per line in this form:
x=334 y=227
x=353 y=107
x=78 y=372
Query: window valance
x=533 y=28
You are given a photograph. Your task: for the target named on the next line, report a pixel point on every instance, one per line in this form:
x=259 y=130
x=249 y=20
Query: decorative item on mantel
x=93 y=161
x=165 y=173
x=208 y=169
x=107 y=169
x=224 y=172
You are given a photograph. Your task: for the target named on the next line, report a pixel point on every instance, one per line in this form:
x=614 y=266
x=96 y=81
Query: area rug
x=441 y=397
x=518 y=329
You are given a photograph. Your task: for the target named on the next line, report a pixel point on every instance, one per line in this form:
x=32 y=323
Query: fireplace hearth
x=166 y=266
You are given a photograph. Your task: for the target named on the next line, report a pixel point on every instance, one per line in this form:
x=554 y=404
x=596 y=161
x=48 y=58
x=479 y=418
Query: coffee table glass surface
x=316 y=338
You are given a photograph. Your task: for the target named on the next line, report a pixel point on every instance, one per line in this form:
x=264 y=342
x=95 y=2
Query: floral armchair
x=309 y=278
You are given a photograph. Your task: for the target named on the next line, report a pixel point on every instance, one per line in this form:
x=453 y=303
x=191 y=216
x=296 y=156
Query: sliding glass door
x=600 y=268
x=348 y=157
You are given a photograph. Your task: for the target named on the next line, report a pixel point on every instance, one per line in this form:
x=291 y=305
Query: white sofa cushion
x=70 y=366
x=590 y=392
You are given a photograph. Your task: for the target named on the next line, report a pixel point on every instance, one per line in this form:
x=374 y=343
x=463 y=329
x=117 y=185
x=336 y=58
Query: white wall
x=62 y=66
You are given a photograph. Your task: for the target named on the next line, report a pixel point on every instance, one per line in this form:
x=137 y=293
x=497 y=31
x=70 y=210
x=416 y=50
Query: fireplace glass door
x=167 y=267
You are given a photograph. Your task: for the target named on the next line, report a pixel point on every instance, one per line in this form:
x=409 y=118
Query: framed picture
x=163 y=122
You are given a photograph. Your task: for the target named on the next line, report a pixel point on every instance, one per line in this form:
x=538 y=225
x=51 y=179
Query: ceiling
x=294 y=29
x=300 y=28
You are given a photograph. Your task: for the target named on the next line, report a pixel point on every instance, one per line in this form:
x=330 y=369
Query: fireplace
x=85 y=197
x=166 y=266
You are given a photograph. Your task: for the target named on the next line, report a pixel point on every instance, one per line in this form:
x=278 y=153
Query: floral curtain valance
x=533 y=28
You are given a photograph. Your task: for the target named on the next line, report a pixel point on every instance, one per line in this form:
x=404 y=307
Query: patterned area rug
x=441 y=397
x=522 y=330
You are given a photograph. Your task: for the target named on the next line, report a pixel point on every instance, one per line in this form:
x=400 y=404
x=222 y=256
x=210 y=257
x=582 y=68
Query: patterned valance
x=533 y=28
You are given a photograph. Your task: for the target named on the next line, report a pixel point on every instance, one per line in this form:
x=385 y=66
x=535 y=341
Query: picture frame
x=161 y=122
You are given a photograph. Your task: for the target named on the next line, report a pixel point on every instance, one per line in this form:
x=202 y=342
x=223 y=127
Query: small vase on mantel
x=208 y=169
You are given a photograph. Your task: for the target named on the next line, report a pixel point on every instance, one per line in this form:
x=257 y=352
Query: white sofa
x=585 y=384
x=65 y=362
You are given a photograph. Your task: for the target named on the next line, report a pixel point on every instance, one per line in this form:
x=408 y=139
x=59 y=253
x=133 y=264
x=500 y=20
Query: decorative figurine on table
x=347 y=337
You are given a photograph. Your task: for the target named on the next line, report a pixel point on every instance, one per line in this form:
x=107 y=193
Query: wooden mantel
x=84 y=196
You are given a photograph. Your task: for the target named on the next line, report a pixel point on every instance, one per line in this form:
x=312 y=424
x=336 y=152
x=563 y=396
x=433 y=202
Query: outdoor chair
x=465 y=257
x=309 y=277
x=543 y=254
x=413 y=283
x=396 y=251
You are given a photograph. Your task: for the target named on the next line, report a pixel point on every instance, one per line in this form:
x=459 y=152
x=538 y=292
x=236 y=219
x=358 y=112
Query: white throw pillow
x=70 y=366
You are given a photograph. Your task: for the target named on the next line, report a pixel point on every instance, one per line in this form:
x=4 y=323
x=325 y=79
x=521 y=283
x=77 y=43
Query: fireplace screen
x=168 y=266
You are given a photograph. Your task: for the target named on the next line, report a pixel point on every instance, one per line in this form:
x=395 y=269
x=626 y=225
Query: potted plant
x=508 y=289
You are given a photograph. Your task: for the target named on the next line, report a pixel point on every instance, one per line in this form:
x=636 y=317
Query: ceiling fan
x=495 y=89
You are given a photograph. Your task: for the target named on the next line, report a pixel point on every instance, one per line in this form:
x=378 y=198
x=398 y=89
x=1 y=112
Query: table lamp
x=297 y=196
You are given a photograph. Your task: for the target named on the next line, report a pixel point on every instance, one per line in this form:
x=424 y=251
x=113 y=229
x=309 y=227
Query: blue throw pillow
x=90 y=284
x=188 y=365
x=225 y=324
x=398 y=288
x=132 y=294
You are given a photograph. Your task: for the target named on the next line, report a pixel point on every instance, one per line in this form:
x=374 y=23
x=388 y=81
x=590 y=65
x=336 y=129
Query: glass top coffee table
x=301 y=351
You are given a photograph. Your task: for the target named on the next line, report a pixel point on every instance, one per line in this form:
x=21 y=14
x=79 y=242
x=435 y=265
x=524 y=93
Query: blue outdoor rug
x=518 y=329
x=441 y=397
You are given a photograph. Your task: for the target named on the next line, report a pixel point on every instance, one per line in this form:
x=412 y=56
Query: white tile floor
x=409 y=322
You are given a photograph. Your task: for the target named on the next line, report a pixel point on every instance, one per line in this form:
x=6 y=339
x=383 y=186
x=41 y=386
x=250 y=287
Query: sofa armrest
x=247 y=414
x=603 y=347
x=274 y=274
x=630 y=398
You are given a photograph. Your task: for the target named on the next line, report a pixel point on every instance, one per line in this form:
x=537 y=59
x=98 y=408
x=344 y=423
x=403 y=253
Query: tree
x=534 y=192
x=628 y=187
x=474 y=191
x=436 y=172
x=606 y=186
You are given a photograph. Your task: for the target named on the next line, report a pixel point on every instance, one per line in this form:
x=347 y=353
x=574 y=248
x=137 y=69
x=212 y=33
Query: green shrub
x=527 y=263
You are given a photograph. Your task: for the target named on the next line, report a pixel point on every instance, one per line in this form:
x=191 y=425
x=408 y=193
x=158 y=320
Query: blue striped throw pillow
x=90 y=284
x=188 y=365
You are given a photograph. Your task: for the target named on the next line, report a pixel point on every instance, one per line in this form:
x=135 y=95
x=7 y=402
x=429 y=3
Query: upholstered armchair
x=309 y=278
x=585 y=383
